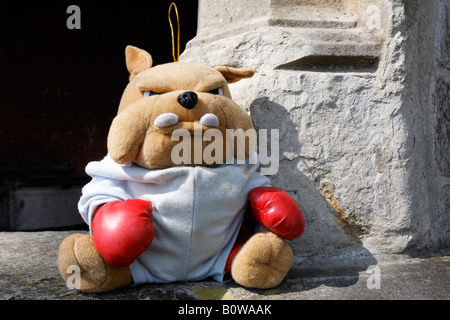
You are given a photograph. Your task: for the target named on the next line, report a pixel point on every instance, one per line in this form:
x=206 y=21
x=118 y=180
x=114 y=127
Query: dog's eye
x=149 y=93
x=217 y=91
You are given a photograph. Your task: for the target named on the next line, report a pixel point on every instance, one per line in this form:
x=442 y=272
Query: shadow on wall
x=330 y=241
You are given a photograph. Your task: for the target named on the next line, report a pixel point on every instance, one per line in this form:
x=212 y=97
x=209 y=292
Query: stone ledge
x=29 y=272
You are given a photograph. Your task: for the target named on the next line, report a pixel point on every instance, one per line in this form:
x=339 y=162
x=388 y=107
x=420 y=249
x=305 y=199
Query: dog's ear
x=137 y=60
x=235 y=74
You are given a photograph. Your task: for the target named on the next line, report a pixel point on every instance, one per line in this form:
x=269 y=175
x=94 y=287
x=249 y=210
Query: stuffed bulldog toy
x=173 y=202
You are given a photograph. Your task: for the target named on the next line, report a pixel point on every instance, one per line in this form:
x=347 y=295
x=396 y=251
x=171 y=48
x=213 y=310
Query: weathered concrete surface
x=359 y=91
x=28 y=270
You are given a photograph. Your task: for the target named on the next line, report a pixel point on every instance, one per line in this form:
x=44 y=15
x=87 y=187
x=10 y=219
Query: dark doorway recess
x=60 y=90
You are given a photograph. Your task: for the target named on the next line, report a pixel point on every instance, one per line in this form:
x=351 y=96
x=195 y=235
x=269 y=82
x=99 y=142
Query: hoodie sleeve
x=100 y=190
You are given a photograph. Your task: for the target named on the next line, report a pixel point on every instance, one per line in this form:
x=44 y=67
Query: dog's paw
x=262 y=262
x=77 y=253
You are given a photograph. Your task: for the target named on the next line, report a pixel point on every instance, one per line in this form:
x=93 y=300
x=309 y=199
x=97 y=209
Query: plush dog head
x=177 y=104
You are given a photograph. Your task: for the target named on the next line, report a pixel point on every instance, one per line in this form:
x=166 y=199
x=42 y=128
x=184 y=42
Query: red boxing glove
x=122 y=231
x=275 y=210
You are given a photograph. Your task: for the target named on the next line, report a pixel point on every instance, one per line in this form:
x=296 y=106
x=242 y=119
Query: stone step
x=330 y=38
x=357 y=34
x=312 y=17
x=333 y=49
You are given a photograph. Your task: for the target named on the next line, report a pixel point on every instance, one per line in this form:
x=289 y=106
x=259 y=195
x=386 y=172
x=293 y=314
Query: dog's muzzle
x=169 y=119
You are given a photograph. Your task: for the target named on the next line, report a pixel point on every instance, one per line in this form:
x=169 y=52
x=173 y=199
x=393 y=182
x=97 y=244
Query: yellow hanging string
x=177 y=58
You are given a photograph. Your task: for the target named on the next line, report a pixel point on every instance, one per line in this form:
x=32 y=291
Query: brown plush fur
x=262 y=262
x=133 y=137
x=265 y=259
x=96 y=275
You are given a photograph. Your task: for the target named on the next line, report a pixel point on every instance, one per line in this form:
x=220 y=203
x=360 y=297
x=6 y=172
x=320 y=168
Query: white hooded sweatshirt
x=197 y=214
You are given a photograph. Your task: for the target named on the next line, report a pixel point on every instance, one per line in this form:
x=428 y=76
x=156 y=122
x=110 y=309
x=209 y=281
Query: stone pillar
x=359 y=91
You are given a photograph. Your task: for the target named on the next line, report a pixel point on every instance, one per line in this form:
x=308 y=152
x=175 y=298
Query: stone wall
x=359 y=91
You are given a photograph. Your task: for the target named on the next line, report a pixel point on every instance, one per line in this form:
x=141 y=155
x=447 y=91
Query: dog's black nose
x=188 y=99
